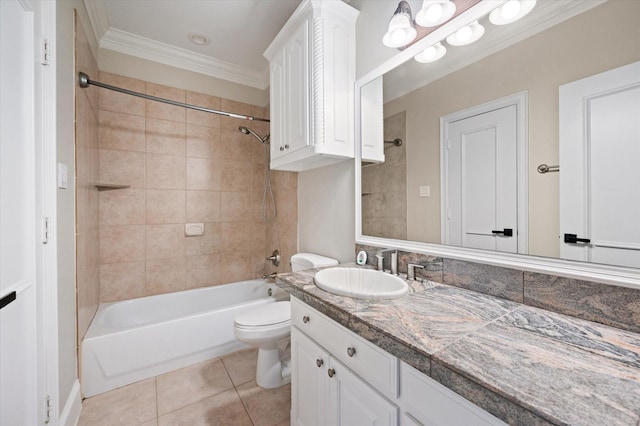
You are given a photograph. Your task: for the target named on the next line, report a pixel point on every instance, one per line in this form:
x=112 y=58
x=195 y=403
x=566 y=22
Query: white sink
x=361 y=283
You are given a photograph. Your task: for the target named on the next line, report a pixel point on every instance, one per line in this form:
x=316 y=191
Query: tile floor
x=221 y=391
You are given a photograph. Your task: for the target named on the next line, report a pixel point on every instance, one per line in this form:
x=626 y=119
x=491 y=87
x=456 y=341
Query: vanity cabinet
x=339 y=378
x=312 y=76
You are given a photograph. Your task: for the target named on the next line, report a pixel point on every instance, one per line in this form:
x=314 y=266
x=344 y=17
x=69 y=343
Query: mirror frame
x=609 y=274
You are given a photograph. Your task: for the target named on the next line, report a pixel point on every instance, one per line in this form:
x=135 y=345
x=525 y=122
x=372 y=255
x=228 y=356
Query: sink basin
x=361 y=283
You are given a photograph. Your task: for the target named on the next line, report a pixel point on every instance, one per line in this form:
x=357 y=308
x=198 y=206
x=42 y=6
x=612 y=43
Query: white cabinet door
x=599 y=156
x=297 y=93
x=353 y=402
x=308 y=380
x=277 y=99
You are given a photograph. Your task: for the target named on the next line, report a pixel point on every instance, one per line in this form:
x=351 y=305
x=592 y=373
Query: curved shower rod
x=84 y=82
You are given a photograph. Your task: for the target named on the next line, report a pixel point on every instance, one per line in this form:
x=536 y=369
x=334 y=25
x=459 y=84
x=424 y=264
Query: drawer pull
x=331 y=372
x=351 y=352
x=319 y=362
x=305 y=319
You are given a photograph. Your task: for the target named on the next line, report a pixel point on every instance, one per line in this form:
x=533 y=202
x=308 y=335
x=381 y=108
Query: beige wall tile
x=284 y=180
x=122 y=207
x=203 y=206
x=121 y=102
x=120 y=131
x=161 y=110
x=122 y=243
x=235 y=145
x=122 y=281
x=235 y=206
x=165 y=206
x=165 y=172
x=203 y=118
x=86 y=205
x=165 y=275
x=209 y=243
x=235 y=266
x=87 y=282
x=236 y=236
x=203 y=271
x=203 y=142
x=288 y=199
x=122 y=167
x=236 y=176
x=203 y=174
x=165 y=241
x=165 y=137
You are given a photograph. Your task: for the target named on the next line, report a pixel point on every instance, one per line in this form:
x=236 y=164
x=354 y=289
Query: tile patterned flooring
x=221 y=391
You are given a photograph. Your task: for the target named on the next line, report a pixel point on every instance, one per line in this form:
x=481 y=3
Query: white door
x=353 y=402
x=309 y=364
x=18 y=360
x=480 y=181
x=599 y=158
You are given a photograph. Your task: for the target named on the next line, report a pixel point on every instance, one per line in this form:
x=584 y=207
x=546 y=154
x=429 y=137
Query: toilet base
x=269 y=371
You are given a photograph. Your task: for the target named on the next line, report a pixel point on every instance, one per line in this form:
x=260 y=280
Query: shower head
x=248 y=131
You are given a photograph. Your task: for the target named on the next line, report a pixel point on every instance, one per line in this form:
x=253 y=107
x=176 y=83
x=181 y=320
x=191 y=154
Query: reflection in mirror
x=580 y=39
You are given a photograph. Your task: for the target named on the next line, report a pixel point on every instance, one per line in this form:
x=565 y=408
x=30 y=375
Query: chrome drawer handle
x=319 y=362
x=282 y=148
x=305 y=319
x=286 y=146
x=331 y=372
x=351 y=352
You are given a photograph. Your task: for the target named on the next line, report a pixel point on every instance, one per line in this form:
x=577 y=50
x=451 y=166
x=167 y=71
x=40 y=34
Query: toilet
x=268 y=329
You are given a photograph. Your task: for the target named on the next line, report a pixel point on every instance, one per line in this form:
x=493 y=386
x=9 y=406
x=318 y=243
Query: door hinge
x=45 y=52
x=45 y=230
x=48 y=409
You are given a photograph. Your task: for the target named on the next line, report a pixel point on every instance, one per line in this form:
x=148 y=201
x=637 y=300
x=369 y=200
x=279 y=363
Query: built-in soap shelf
x=110 y=186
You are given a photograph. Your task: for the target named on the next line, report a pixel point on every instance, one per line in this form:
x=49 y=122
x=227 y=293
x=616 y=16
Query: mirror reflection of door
x=599 y=159
x=480 y=178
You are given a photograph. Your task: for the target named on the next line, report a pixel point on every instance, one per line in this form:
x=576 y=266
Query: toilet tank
x=302 y=261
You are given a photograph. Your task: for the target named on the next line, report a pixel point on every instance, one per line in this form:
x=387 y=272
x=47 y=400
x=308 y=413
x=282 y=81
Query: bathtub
x=136 y=339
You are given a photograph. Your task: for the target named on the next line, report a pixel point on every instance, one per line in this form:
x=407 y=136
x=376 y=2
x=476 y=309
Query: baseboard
x=71 y=411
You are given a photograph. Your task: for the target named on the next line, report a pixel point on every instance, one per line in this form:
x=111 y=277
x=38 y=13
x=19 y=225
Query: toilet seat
x=269 y=316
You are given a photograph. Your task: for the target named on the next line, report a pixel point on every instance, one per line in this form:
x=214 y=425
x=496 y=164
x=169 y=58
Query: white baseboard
x=71 y=411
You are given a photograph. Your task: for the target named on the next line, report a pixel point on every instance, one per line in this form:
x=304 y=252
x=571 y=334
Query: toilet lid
x=269 y=314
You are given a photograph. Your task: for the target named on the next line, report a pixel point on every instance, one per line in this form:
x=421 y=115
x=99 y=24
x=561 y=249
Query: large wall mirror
x=530 y=64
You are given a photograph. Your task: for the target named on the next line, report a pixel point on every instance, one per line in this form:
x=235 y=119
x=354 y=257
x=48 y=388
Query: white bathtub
x=140 y=338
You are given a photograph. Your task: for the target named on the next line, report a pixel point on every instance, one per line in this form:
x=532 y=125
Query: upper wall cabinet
x=312 y=65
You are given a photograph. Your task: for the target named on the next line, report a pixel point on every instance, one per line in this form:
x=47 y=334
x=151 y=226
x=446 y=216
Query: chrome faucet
x=393 y=260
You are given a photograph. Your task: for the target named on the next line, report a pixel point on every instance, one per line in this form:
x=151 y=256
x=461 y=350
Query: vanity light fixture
x=435 y=12
x=511 y=11
x=431 y=54
x=466 y=35
x=401 y=29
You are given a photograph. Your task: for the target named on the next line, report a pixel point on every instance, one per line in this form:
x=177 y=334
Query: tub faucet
x=271 y=275
x=393 y=260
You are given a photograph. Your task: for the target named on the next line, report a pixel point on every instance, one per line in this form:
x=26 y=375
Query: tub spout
x=272 y=275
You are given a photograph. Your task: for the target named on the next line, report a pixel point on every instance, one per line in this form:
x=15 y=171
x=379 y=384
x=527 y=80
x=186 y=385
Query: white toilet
x=268 y=329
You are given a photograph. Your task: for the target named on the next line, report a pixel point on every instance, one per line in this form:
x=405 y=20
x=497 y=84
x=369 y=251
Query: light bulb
x=431 y=54
x=510 y=10
x=401 y=30
x=463 y=34
x=466 y=35
x=434 y=12
x=398 y=35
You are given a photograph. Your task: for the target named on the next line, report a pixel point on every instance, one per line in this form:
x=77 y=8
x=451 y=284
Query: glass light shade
x=401 y=30
x=466 y=35
x=431 y=54
x=435 y=12
x=511 y=11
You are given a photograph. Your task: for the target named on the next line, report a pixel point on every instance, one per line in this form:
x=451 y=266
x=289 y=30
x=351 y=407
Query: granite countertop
x=523 y=364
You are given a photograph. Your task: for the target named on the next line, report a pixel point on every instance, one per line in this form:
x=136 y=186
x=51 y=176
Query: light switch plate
x=63 y=176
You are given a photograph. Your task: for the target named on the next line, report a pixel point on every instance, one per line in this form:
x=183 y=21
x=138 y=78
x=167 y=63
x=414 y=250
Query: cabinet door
x=297 y=93
x=308 y=380
x=277 y=99
x=353 y=402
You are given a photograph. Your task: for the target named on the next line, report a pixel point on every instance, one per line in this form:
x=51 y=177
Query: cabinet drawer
x=377 y=367
x=427 y=402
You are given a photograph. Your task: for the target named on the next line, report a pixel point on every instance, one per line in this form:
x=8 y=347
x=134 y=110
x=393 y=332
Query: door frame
x=521 y=102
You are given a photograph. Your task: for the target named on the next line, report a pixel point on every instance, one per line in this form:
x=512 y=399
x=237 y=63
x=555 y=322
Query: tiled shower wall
x=184 y=166
x=87 y=246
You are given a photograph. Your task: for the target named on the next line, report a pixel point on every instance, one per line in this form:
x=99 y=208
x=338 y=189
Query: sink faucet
x=393 y=260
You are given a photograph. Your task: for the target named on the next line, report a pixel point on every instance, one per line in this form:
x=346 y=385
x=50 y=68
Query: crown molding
x=141 y=47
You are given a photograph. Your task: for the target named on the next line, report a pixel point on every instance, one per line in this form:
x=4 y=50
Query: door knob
x=305 y=319
x=573 y=239
x=331 y=372
x=319 y=362
x=351 y=352
x=282 y=148
x=507 y=232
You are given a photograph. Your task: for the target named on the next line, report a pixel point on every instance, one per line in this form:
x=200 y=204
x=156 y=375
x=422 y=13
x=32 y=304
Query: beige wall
x=154 y=72
x=578 y=48
x=184 y=166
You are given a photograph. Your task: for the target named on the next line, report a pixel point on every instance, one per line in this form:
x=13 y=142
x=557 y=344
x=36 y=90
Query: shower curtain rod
x=85 y=81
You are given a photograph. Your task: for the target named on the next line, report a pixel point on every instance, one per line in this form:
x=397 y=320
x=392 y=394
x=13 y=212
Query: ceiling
x=239 y=32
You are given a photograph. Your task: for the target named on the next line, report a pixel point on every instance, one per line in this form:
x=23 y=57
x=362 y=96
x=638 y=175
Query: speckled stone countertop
x=524 y=365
